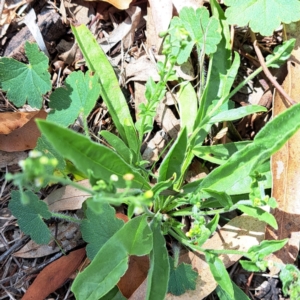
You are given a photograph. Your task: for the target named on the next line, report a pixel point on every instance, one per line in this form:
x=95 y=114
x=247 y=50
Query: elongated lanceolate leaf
x=158 y=275
x=174 y=159
x=270 y=139
x=110 y=89
x=111 y=262
x=87 y=155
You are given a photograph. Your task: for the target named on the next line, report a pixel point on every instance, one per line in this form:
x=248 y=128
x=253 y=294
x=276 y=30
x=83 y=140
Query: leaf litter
x=120 y=31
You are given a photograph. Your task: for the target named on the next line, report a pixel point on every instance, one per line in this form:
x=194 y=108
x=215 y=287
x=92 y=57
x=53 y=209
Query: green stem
x=197 y=248
x=65 y=217
x=66 y=181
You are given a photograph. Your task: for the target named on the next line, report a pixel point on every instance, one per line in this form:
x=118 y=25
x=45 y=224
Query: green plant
x=117 y=175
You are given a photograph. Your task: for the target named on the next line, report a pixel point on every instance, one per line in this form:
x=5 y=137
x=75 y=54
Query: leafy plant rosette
x=118 y=175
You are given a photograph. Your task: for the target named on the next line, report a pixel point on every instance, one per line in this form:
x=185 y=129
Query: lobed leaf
x=30 y=216
x=182 y=278
x=263 y=16
x=98 y=228
x=26 y=82
x=79 y=95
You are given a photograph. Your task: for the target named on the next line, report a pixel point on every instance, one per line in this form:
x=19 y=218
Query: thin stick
x=270 y=76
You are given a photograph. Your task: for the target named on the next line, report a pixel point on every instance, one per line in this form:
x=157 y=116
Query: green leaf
x=263 y=16
x=158 y=275
x=182 y=278
x=24 y=82
x=219 y=273
x=78 y=96
x=218 y=67
x=238 y=293
x=111 y=262
x=223 y=198
x=87 y=155
x=204 y=32
x=97 y=228
x=173 y=161
x=187 y=101
x=265 y=248
x=47 y=149
x=114 y=294
x=250 y=266
x=282 y=53
x=110 y=89
x=119 y=146
x=269 y=140
x=290 y=277
x=260 y=214
x=219 y=154
x=238 y=113
x=30 y=216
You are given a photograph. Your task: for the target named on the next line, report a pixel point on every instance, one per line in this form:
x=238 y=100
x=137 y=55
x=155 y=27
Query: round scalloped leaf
x=263 y=16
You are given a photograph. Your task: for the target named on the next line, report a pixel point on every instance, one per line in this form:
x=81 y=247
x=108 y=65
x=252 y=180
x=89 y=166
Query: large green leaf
x=30 y=215
x=78 y=96
x=87 y=155
x=269 y=140
x=111 y=262
x=97 y=228
x=158 y=275
x=110 y=89
x=26 y=82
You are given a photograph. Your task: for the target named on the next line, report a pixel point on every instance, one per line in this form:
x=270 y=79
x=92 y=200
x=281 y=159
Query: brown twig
x=270 y=76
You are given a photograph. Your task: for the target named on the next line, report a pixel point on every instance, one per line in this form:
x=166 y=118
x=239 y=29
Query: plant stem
x=65 y=217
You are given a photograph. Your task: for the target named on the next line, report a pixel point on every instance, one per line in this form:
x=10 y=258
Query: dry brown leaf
x=124 y=32
x=134 y=276
x=159 y=15
x=10 y=121
x=68 y=236
x=24 y=132
x=11 y=158
x=80 y=10
x=54 y=275
x=120 y=4
x=179 y=4
x=68 y=197
x=285 y=166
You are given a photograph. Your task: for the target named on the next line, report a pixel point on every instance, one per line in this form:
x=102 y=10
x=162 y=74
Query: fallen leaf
x=124 y=32
x=11 y=158
x=285 y=170
x=134 y=276
x=54 y=275
x=68 y=197
x=68 y=236
x=159 y=15
x=120 y=4
x=23 y=131
x=10 y=121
